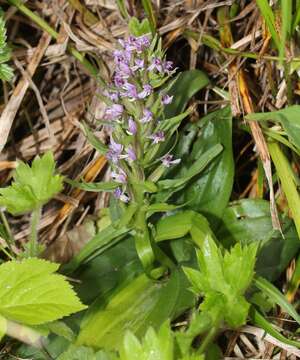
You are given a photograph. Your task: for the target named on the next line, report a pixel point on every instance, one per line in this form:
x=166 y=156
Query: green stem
x=10 y=240
x=33 y=239
x=208 y=339
x=46 y=27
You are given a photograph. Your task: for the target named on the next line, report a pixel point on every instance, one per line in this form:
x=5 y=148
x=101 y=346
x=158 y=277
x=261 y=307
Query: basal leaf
x=210 y=192
x=31 y=292
x=134 y=306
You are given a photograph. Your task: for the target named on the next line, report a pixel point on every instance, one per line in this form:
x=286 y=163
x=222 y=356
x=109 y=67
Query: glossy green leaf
x=248 y=221
x=135 y=307
x=187 y=84
x=98 y=244
x=210 y=192
x=32 y=186
x=198 y=166
x=29 y=289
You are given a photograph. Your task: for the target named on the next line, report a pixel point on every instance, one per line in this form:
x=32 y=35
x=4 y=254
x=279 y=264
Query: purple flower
x=148 y=116
x=166 y=99
x=132 y=127
x=121 y=56
x=168 y=67
x=147 y=90
x=167 y=160
x=114 y=152
x=114 y=112
x=156 y=64
x=119 y=175
x=131 y=155
x=130 y=91
x=119 y=80
x=113 y=96
x=124 y=70
x=157 y=137
x=139 y=64
x=120 y=195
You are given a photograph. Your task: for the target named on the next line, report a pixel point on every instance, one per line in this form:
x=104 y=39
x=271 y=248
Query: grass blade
x=276 y=296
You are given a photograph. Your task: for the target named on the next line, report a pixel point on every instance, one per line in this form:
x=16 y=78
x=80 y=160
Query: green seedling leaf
x=139 y=28
x=32 y=186
x=223 y=289
x=159 y=346
x=29 y=292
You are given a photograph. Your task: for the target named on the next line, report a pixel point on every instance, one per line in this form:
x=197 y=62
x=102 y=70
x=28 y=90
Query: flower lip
x=147 y=90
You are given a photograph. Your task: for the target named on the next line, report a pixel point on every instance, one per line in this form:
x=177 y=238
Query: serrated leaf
x=85 y=353
x=32 y=186
x=220 y=284
x=30 y=292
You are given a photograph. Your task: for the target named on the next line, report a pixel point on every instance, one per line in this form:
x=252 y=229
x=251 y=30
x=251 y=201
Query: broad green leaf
x=210 y=192
x=32 y=186
x=249 y=221
x=186 y=85
x=288 y=117
x=198 y=166
x=98 y=244
x=134 y=306
x=95 y=187
x=29 y=292
x=6 y=72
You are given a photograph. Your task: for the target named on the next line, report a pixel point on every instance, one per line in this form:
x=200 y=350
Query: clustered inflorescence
x=134 y=111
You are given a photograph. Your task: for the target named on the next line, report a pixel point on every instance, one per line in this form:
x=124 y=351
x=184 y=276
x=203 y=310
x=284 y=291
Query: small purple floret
x=157 y=137
x=166 y=99
x=114 y=112
x=167 y=160
x=132 y=127
x=147 y=90
x=148 y=116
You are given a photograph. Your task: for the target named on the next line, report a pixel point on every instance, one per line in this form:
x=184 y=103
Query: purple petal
x=114 y=112
x=148 y=116
x=166 y=99
x=167 y=160
x=131 y=154
x=147 y=90
x=132 y=127
x=157 y=137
